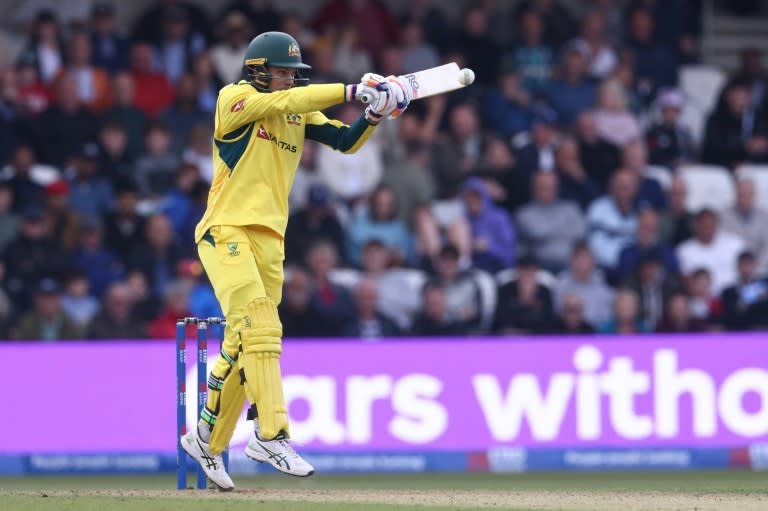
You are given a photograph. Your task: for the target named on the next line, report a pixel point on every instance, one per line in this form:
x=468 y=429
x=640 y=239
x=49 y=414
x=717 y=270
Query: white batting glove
x=402 y=93
x=374 y=90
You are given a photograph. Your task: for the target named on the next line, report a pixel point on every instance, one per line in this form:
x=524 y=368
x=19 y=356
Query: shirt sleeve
x=241 y=104
x=336 y=134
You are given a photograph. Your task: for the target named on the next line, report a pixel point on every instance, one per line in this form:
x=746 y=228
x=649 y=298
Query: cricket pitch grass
x=622 y=491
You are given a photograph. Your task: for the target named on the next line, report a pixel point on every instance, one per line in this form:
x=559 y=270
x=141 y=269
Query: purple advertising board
x=409 y=394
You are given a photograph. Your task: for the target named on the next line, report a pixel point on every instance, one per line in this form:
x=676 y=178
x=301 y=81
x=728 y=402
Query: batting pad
x=226 y=402
x=260 y=336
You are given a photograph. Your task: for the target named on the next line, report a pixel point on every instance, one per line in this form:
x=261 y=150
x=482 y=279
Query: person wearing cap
x=91 y=193
x=227 y=55
x=47 y=321
x=62 y=223
x=669 y=141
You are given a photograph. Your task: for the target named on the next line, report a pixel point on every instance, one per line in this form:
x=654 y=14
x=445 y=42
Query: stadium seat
x=758 y=174
x=488 y=292
x=545 y=278
x=701 y=85
x=660 y=174
x=345 y=277
x=709 y=186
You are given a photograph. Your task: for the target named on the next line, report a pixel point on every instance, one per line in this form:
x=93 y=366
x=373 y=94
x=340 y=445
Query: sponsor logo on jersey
x=294 y=119
x=233 y=251
x=263 y=133
x=238 y=106
x=293 y=50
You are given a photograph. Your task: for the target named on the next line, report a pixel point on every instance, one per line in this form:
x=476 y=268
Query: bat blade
x=430 y=82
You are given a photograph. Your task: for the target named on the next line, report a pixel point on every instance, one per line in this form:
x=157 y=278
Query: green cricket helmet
x=273 y=49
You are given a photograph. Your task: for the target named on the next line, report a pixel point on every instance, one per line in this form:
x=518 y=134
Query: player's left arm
x=337 y=135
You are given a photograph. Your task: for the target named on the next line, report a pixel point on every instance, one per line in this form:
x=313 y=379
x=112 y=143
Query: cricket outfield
x=583 y=491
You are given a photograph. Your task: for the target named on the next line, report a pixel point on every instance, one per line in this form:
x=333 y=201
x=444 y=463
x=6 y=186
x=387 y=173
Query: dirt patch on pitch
x=563 y=501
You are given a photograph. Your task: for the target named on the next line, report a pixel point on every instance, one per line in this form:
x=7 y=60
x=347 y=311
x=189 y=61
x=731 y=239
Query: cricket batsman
x=261 y=124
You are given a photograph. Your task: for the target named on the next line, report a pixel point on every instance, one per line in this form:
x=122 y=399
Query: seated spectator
x=655 y=64
x=676 y=221
x=531 y=56
x=575 y=183
x=745 y=304
x=749 y=222
x=199 y=151
x=208 y=84
x=90 y=193
x=457 y=153
x=670 y=142
x=507 y=107
x=602 y=56
x=379 y=221
x=539 y=153
x=317 y=220
x=145 y=304
x=110 y=51
x=524 y=306
x=614 y=122
x=612 y=219
x=493 y=234
x=77 y=302
x=653 y=285
x=734 y=134
x=47 y=321
x=99 y=263
x=626 y=315
x=93 y=83
x=178 y=203
x=333 y=304
x=125 y=113
x=124 y=226
x=463 y=296
x=175 y=305
x=559 y=25
x=598 y=157
x=574 y=91
x=650 y=194
x=228 y=54
x=548 y=227
x=23 y=174
x=153 y=91
x=571 y=320
x=647 y=240
x=712 y=249
x=475 y=41
x=60 y=220
x=158 y=256
x=155 y=169
x=44 y=46
x=703 y=303
x=351 y=60
x=433 y=320
x=677 y=316
x=298 y=317
x=184 y=113
x=583 y=280
x=118 y=319
x=9 y=221
x=115 y=161
x=32 y=97
x=369 y=324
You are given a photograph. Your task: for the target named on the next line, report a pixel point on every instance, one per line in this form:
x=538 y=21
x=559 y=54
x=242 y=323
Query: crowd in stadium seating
x=552 y=196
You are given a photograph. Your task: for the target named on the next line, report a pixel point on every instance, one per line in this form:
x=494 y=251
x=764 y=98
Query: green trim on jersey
x=233 y=145
x=340 y=138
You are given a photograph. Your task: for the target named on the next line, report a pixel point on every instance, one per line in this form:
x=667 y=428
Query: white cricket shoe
x=279 y=453
x=213 y=466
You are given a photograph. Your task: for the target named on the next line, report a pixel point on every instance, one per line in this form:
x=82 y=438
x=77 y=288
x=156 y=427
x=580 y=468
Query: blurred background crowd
x=581 y=184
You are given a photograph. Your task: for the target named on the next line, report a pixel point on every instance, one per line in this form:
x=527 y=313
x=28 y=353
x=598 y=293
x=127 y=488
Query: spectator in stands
x=559 y=25
x=548 y=227
x=115 y=160
x=457 y=153
x=751 y=72
x=418 y=53
x=575 y=183
x=747 y=221
x=262 y=15
x=110 y=50
x=598 y=157
x=653 y=285
x=676 y=221
x=369 y=324
x=9 y=221
x=318 y=220
x=306 y=176
x=704 y=304
x=583 y=280
x=98 y=262
x=117 y=319
x=323 y=61
x=433 y=320
x=612 y=219
x=712 y=249
x=494 y=243
x=626 y=315
x=293 y=22
x=202 y=299
x=127 y=115
x=157 y=257
x=475 y=42
x=437 y=27
x=198 y=150
x=208 y=84
x=379 y=220
x=298 y=317
x=61 y=221
x=573 y=91
x=156 y=168
x=93 y=83
x=20 y=175
x=180 y=43
x=602 y=58
x=179 y=203
x=47 y=322
x=124 y=226
x=145 y=304
x=614 y=122
x=677 y=316
x=333 y=304
x=571 y=320
x=25 y=92
x=175 y=305
x=647 y=240
x=11 y=108
x=735 y=133
x=462 y=293
x=650 y=194
x=153 y=91
x=77 y=302
x=669 y=141
x=507 y=107
x=185 y=112
x=149 y=25
x=524 y=305
x=66 y=126
x=351 y=60
x=745 y=304
x=227 y=55
x=90 y=193
x=531 y=56
x=655 y=64
x=44 y=47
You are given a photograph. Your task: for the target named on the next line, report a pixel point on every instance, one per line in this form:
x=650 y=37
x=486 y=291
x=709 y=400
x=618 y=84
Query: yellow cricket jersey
x=258 y=139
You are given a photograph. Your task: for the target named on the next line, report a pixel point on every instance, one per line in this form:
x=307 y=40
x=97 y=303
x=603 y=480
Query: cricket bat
x=435 y=80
